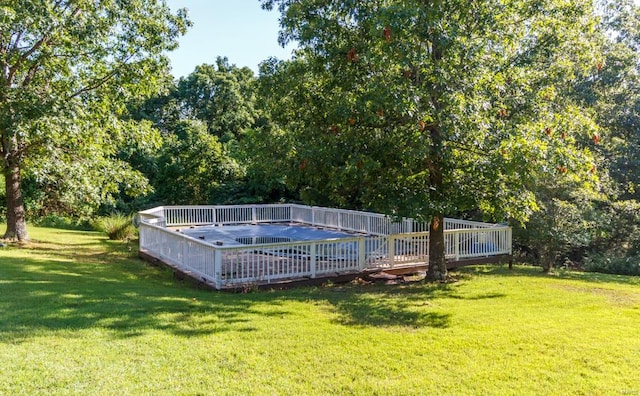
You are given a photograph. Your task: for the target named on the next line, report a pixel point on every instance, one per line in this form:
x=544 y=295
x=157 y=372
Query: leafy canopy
x=421 y=108
x=68 y=69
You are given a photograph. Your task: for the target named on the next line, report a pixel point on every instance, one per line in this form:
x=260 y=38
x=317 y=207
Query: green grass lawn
x=82 y=315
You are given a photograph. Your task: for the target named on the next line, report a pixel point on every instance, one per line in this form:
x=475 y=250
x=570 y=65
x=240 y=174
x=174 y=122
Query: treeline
x=524 y=115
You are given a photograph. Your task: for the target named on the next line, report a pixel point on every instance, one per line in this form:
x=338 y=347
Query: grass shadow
x=78 y=280
x=92 y=282
x=385 y=305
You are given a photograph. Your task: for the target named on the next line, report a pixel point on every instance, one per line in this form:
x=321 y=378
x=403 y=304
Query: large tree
x=210 y=161
x=613 y=91
x=58 y=60
x=573 y=221
x=222 y=96
x=193 y=166
x=434 y=108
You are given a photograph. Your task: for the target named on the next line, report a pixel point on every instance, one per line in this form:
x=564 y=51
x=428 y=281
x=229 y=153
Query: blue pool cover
x=251 y=234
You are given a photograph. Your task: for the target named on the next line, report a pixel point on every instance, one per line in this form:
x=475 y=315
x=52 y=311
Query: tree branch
x=46 y=38
x=102 y=80
x=467 y=148
x=31 y=74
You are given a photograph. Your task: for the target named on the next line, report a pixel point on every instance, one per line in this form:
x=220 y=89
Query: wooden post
x=362 y=253
x=456 y=241
x=217 y=268
x=314 y=254
x=391 y=254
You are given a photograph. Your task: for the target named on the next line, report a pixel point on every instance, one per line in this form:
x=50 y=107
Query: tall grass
x=118 y=227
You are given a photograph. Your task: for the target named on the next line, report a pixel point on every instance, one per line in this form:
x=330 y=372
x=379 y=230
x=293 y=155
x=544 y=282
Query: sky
x=238 y=29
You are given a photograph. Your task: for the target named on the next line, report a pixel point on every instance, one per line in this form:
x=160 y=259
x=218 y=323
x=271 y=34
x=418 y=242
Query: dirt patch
x=621 y=298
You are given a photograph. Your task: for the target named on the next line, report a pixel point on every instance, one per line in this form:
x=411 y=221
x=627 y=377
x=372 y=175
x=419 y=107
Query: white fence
x=382 y=243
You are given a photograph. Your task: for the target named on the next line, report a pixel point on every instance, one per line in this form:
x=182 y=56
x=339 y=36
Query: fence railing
x=380 y=243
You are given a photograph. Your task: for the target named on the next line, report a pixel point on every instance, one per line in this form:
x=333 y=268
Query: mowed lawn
x=83 y=315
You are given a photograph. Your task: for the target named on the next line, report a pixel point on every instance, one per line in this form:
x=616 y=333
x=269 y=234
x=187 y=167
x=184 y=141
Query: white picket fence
x=382 y=242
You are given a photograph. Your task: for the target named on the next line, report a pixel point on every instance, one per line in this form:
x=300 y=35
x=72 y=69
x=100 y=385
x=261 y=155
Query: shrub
x=64 y=222
x=116 y=226
x=629 y=265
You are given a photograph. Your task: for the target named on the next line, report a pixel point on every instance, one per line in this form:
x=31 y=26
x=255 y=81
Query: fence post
x=185 y=249
x=142 y=235
x=254 y=219
x=362 y=253
x=217 y=267
x=456 y=240
x=314 y=253
x=510 y=247
x=391 y=254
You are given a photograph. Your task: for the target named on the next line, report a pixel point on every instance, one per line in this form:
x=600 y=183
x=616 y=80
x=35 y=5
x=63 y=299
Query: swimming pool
x=252 y=234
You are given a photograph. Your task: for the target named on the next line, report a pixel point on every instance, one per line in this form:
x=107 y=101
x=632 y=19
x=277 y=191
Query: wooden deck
x=398 y=273
x=376 y=244
x=451 y=264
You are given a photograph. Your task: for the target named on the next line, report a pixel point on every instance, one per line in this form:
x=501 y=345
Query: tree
x=577 y=224
x=193 y=166
x=221 y=95
x=613 y=92
x=55 y=57
x=434 y=108
x=81 y=177
x=565 y=225
x=203 y=118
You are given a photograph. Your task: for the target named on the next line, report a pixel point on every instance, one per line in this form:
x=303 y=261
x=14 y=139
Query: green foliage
x=62 y=222
x=612 y=91
x=563 y=227
x=118 y=227
x=69 y=69
x=619 y=265
x=426 y=109
x=234 y=163
x=193 y=166
x=598 y=220
x=222 y=96
x=262 y=151
x=83 y=174
x=380 y=107
x=618 y=229
x=582 y=230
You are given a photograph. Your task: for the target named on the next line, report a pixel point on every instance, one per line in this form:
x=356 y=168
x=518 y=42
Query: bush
x=629 y=265
x=117 y=227
x=64 y=222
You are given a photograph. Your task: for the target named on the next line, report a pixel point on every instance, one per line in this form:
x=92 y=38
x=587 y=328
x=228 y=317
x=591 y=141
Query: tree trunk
x=437 y=264
x=16 y=221
x=546 y=261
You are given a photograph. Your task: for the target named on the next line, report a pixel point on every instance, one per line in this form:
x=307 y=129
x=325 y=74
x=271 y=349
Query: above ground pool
x=252 y=234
